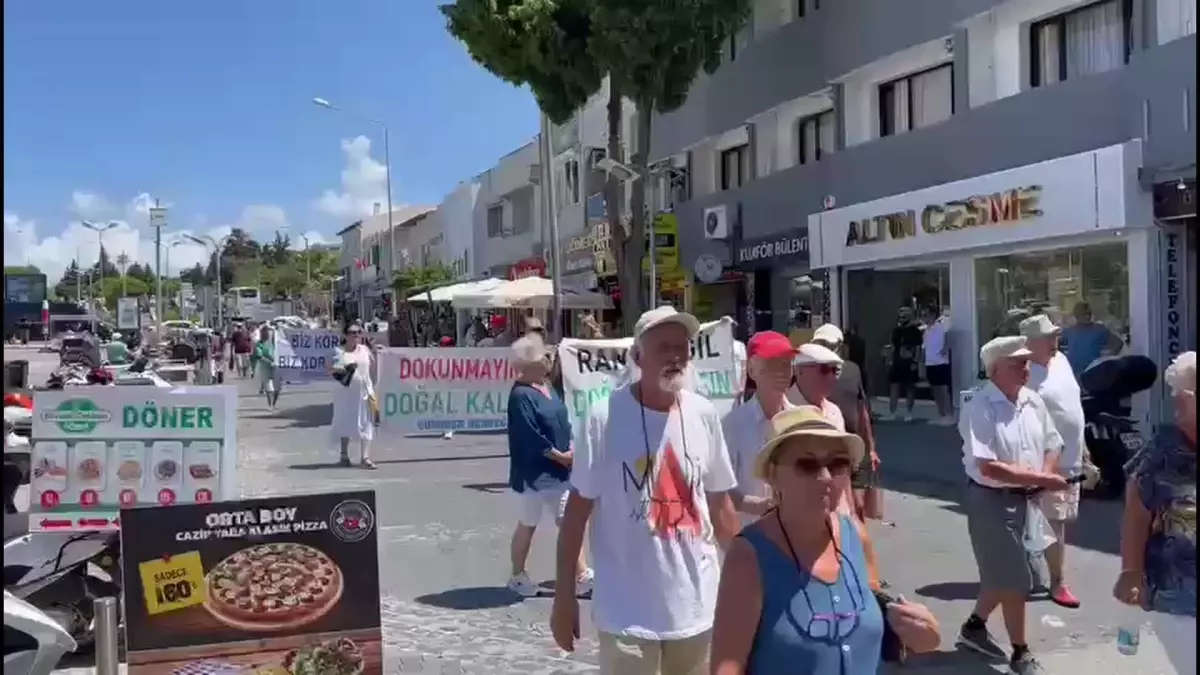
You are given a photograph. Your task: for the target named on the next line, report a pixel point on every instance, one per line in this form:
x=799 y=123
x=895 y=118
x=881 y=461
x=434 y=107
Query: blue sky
x=207 y=106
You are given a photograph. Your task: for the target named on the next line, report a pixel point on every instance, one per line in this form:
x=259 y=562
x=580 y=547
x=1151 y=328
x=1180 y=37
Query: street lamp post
x=167 y=265
x=217 y=248
x=387 y=163
x=100 y=230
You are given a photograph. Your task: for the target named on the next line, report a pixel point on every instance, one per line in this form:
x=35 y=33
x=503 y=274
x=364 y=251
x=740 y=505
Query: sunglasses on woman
x=837 y=465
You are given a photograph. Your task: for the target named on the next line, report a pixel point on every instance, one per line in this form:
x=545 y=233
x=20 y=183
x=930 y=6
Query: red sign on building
x=529 y=267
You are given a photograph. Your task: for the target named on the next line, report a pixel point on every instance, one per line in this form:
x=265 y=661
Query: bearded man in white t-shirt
x=652 y=475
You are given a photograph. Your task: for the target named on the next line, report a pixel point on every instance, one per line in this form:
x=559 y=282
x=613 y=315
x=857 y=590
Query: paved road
x=445 y=518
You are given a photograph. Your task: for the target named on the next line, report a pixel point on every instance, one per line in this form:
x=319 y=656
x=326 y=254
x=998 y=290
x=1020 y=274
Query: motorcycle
x=34 y=643
x=61 y=573
x=1111 y=432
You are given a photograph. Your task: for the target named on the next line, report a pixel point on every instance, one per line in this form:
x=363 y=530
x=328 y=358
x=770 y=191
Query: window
x=1176 y=19
x=815 y=136
x=495 y=221
x=916 y=101
x=735 y=167
x=568 y=184
x=1086 y=41
x=1009 y=287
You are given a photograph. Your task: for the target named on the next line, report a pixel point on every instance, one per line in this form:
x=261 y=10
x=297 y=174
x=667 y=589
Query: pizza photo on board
x=276 y=586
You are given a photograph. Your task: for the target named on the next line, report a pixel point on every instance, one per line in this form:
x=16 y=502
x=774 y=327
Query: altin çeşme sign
x=1009 y=206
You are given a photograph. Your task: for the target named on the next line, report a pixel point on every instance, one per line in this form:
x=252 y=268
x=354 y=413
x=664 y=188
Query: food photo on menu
x=282 y=586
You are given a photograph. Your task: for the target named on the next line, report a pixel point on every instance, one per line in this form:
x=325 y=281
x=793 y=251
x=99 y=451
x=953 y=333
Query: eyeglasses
x=835 y=627
x=839 y=465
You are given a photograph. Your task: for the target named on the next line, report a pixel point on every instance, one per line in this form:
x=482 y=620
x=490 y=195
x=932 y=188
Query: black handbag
x=345 y=374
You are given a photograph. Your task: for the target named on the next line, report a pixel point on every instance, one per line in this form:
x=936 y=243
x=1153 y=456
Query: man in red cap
x=769 y=368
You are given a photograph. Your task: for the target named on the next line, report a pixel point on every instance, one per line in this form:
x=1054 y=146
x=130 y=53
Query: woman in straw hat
x=798 y=590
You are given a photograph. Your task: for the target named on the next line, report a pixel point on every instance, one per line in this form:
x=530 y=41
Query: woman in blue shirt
x=539 y=457
x=1158 y=533
x=797 y=590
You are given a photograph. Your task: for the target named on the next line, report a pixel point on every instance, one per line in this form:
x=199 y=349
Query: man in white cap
x=653 y=476
x=1007 y=435
x=816 y=369
x=1051 y=376
x=849 y=394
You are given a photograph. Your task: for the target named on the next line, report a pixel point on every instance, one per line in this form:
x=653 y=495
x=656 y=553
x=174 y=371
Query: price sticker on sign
x=173 y=583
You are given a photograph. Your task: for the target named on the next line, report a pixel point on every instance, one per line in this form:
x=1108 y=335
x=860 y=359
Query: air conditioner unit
x=716 y=223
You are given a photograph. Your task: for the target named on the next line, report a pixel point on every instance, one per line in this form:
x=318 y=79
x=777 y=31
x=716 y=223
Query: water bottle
x=1129 y=630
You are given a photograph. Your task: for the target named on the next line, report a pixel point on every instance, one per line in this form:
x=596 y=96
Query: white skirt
x=352 y=413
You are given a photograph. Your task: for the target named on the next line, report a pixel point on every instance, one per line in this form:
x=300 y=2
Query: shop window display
x=808 y=305
x=1066 y=284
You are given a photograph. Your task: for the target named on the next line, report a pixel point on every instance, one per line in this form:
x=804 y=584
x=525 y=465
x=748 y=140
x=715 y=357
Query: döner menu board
x=274 y=586
x=97 y=450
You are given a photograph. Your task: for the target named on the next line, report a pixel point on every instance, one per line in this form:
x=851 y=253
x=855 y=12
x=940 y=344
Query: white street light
x=217 y=247
x=387 y=163
x=100 y=229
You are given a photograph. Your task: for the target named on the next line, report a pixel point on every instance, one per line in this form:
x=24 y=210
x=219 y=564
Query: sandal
x=368 y=464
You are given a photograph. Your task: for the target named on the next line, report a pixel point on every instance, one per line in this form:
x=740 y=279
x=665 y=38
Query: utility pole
x=158 y=220
x=550 y=199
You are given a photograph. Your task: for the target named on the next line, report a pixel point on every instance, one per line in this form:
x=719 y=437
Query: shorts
x=902 y=371
x=536 y=503
x=996 y=525
x=1062 y=506
x=626 y=655
x=938 y=376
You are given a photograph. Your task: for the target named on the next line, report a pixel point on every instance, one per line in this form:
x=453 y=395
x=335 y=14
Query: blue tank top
x=811 y=627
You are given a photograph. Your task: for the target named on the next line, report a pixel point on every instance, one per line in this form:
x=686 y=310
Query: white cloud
x=263 y=219
x=364 y=184
x=314 y=239
x=129 y=234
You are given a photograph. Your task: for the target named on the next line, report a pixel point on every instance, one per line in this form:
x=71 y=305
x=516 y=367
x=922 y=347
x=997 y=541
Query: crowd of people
x=739 y=544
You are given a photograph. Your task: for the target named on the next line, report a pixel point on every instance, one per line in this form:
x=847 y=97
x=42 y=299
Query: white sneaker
x=583 y=583
x=523 y=586
x=908 y=417
x=449 y=435
x=946 y=421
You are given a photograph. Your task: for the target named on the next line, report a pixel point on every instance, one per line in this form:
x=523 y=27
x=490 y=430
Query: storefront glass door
x=873 y=302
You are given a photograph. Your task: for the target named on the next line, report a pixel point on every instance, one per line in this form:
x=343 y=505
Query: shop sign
x=666 y=245
x=529 y=267
x=1174 y=308
x=789 y=247
x=285 y=584
x=1009 y=206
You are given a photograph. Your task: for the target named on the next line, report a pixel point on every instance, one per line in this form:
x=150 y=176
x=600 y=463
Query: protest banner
x=98 y=450
x=304 y=354
x=285 y=585
x=592 y=369
x=440 y=389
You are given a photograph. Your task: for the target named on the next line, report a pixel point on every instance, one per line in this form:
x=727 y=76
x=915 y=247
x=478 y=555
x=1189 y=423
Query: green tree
x=416 y=279
x=106 y=264
x=650 y=50
x=66 y=287
x=21 y=269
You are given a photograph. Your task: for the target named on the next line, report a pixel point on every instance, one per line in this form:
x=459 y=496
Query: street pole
x=158 y=220
x=649 y=177
x=393 y=306
x=551 y=201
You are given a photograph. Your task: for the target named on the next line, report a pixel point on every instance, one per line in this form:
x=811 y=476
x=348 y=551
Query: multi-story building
x=456 y=221
x=853 y=157
x=508 y=236
x=371 y=254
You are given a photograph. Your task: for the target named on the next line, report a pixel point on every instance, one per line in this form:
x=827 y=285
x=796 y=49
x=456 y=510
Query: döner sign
x=1009 y=206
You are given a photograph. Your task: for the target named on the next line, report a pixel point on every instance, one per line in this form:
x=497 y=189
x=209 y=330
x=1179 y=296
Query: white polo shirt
x=1056 y=384
x=995 y=428
x=746 y=430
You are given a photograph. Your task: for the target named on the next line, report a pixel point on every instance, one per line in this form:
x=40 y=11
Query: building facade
x=834 y=126
x=507 y=218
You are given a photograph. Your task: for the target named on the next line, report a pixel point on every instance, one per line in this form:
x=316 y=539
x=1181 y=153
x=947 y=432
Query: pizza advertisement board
x=97 y=450
x=273 y=586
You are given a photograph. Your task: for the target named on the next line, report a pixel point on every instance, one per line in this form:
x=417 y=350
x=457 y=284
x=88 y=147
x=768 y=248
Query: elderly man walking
x=652 y=474
x=1007 y=434
x=1050 y=375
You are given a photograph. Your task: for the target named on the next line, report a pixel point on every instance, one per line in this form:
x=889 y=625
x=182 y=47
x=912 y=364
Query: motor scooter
x=1111 y=432
x=34 y=643
x=61 y=573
